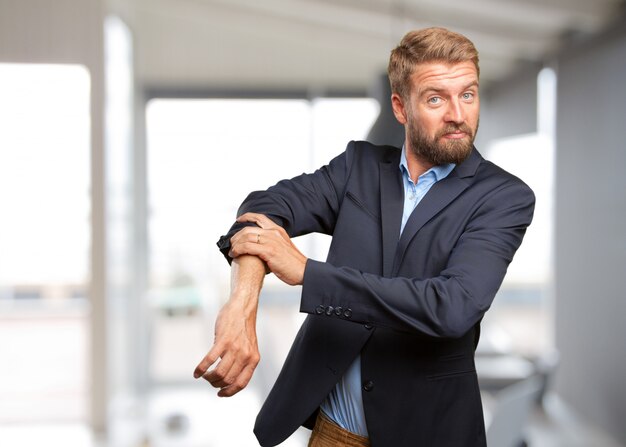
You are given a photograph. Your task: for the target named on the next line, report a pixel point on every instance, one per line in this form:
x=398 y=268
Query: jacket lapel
x=437 y=198
x=391 y=204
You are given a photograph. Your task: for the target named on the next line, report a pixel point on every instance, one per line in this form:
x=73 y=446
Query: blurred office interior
x=130 y=130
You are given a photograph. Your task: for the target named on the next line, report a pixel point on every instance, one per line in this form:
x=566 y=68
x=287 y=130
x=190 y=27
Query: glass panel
x=44 y=242
x=204 y=157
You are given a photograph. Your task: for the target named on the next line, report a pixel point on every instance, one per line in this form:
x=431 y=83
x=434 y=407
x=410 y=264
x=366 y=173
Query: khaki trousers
x=328 y=434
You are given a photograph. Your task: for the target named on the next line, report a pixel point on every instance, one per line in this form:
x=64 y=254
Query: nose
x=454 y=112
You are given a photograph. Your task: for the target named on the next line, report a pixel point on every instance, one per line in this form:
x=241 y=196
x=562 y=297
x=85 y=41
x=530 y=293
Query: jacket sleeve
x=447 y=305
x=304 y=204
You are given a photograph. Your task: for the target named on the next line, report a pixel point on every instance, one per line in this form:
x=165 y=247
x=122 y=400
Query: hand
x=272 y=244
x=235 y=342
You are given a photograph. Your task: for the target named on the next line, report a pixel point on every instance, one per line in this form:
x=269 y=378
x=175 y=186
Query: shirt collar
x=440 y=171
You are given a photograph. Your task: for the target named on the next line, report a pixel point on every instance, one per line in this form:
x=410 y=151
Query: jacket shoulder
x=493 y=180
x=374 y=152
x=488 y=169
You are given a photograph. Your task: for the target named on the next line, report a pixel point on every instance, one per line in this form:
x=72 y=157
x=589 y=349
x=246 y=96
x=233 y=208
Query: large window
x=204 y=157
x=44 y=241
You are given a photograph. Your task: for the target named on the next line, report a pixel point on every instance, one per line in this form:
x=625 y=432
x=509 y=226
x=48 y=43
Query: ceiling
x=336 y=44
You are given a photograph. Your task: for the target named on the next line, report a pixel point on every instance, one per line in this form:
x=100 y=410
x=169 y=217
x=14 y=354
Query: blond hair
x=427 y=45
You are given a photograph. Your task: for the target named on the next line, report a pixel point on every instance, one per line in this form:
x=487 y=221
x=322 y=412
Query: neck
x=417 y=165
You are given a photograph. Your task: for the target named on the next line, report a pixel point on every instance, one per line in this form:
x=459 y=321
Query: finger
x=241 y=234
x=249 y=234
x=260 y=219
x=225 y=362
x=240 y=383
x=225 y=373
x=248 y=248
x=208 y=361
x=254 y=242
x=234 y=369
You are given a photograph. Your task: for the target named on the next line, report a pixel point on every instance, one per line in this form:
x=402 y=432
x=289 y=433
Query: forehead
x=441 y=75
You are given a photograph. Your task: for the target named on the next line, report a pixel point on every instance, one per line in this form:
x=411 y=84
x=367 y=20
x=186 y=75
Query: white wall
x=591 y=230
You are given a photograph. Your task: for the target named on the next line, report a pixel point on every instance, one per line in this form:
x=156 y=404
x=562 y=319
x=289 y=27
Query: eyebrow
x=471 y=84
x=440 y=90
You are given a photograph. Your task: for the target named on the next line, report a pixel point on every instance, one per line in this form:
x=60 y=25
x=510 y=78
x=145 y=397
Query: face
x=441 y=114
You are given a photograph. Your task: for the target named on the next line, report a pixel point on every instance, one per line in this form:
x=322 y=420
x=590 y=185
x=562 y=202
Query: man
x=422 y=237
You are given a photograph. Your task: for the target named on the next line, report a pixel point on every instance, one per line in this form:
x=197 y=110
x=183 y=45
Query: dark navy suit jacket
x=410 y=304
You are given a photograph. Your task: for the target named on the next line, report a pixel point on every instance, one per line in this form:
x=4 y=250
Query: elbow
x=458 y=322
x=454 y=330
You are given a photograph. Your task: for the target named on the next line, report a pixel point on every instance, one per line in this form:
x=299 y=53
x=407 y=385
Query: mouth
x=457 y=135
x=456 y=132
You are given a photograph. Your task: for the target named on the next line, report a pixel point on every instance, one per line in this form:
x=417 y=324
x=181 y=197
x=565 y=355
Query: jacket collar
x=440 y=195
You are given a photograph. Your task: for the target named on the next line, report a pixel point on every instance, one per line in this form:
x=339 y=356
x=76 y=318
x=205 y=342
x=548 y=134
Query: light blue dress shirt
x=344 y=404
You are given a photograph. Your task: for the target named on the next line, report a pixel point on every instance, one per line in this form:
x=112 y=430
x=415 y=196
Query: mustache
x=451 y=128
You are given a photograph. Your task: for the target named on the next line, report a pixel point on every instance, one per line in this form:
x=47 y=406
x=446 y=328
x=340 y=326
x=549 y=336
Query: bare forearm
x=246 y=279
x=235 y=331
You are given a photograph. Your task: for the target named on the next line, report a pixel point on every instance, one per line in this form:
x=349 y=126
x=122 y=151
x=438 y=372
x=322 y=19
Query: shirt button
x=347 y=313
x=329 y=310
x=368 y=385
x=369 y=326
x=320 y=309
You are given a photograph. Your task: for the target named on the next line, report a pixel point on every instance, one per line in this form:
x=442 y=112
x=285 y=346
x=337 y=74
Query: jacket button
x=368 y=385
x=338 y=311
x=329 y=310
x=347 y=313
x=320 y=309
x=369 y=326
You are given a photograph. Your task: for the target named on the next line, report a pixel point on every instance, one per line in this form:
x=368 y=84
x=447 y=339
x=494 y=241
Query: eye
x=434 y=100
x=468 y=96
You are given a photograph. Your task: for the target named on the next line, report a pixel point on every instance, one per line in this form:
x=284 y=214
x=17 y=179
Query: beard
x=437 y=151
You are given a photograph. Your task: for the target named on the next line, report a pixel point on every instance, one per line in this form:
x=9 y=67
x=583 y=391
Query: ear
x=399 y=110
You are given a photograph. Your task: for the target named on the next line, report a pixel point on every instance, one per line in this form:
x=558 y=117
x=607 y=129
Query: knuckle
x=219 y=373
x=251 y=355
